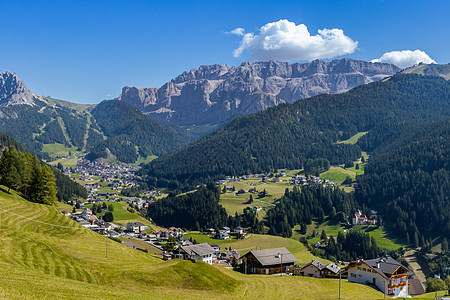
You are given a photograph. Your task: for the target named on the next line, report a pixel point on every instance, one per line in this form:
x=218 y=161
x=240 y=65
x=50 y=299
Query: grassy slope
x=383 y=238
x=233 y=203
x=352 y=140
x=257 y=241
x=39 y=261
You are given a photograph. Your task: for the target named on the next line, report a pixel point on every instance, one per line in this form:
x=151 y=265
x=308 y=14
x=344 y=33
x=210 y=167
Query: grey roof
x=136 y=224
x=333 y=268
x=198 y=249
x=316 y=264
x=415 y=287
x=269 y=257
x=384 y=265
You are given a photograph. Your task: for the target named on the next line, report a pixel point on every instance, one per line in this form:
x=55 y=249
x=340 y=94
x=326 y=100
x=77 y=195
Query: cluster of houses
x=117 y=176
x=140 y=203
x=360 y=219
x=303 y=180
x=225 y=232
x=204 y=252
x=89 y=220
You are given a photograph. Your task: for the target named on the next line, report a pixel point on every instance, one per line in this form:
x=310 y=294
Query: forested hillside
x=130 y=133
x=410 y=184
x=37 y=182
x=287 y=135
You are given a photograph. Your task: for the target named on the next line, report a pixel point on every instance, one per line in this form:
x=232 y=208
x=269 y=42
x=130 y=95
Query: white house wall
x=365 y=277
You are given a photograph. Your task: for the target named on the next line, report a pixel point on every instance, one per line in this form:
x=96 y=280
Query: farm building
x=268 y=261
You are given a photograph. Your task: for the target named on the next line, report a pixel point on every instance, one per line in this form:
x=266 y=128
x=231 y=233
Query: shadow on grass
x=4 y=190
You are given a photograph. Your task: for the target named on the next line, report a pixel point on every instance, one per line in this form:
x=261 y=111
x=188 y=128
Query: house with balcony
x=385 y=274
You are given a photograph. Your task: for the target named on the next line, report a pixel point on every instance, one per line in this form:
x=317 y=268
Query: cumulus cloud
x=404 y=59
x=284 y=40
x=237 y=31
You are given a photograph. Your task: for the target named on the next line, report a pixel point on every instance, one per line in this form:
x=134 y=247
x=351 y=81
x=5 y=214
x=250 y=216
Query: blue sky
x=86 y=51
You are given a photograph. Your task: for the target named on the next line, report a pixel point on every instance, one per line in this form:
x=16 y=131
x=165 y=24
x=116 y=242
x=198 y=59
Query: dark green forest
x=301 y=205
x=287 y=135
x=410 y=184
x=130 y=133
x=193 y=210
x=36 y=181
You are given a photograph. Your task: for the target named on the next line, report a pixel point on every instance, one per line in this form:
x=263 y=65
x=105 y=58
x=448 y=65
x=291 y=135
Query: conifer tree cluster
x=26 y=174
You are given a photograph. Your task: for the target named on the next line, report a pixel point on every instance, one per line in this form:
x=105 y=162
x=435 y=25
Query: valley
x=295 y=176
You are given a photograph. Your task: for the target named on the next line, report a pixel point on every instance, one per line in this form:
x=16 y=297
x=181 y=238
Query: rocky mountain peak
x=14 y=91
x=211 y=94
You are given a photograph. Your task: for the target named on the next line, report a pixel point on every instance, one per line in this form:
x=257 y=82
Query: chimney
x=378 y=265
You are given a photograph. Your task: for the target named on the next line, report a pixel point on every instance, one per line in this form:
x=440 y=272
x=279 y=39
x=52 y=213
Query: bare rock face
x=14 y=91
x=215 y=93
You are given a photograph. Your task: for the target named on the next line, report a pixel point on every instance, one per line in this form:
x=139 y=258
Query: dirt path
x=64 y=130
x=412 y=260
x=86 y=134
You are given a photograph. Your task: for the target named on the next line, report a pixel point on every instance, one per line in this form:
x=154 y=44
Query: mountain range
x=214 y=94
x=287 y=135
x=194 y=104
x=112 y=128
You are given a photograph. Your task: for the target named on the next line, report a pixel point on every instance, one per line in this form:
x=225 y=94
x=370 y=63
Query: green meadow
x=42 y=261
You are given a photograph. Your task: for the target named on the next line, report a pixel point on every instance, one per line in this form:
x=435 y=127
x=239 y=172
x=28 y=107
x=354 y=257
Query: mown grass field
x=338 y=175
x=59 y=150
x=353 y=139
x=146 y=160
x=233 y=203
x=383 y=238
x=40 y=261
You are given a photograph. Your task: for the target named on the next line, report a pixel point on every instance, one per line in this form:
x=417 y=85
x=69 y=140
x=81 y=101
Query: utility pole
x=281 y=265
x=340 y=277
x=107 y=245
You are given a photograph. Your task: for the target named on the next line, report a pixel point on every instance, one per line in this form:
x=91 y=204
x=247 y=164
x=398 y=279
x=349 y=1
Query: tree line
x=288 y=135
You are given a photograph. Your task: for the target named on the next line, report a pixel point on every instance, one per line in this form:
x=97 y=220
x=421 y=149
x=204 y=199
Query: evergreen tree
x=48 y=186
x=108 y=217
x=323 y=235
x=444 y=246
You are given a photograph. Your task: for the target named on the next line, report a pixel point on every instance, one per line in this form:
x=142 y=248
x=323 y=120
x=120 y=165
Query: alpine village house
x=268 y=261
x=385 y=273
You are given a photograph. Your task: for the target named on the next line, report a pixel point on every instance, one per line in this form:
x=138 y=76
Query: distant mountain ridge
x=14 y=91
x=212 y=94
x=288 y=135
x=430 y=70
x=110 y=127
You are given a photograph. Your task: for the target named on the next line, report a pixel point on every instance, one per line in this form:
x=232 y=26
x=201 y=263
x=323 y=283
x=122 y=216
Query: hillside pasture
x=46 y=261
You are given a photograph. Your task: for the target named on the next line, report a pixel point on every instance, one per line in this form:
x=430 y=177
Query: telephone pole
x=340 y=277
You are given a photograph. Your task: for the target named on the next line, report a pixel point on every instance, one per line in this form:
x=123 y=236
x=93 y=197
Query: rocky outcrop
x=215 y=93
x=14 y=91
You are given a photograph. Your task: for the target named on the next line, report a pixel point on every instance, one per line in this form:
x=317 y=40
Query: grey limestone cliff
x=212 y=94
x=14 y=91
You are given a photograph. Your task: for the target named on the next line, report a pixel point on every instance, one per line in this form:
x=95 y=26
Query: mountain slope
x=130 y=134
x=430 y=70
x=22 y=161
x=34 y=120
x=213 y=94
x=42 y=261
x=286 y=135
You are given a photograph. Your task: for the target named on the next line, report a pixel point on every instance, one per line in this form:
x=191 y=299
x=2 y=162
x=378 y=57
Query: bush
x=434 y=285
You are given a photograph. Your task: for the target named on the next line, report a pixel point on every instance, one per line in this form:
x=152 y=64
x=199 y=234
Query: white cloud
x=285 y=41
x=237 y=31
x=405 y=58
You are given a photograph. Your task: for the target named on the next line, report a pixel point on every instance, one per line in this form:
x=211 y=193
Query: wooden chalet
x=268 y=261
x=385 y=273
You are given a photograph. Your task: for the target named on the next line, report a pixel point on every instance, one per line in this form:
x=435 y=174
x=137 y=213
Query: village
x=104 y=183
